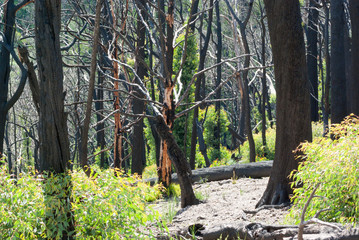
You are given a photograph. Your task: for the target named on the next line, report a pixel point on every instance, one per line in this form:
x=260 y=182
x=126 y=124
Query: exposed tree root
x=283 y=205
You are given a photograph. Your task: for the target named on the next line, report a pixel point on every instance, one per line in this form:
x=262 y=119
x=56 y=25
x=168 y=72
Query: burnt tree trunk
x=168 y=112
x=99 y=106
x=138 y=154
x=6 y=47
x=354 y=16
x=105 y=63
x=202 y=58
x=264 y=81
x=54 y=149
x=202 y=144
x=244 y=79
x=9 y=23
x=293 y=104
x=178 y=159
x=117 y=151
x=217 y=128
x=337 y=66
x=54 y=142
x=326 y=83
x=86 y=124
x=312 y=53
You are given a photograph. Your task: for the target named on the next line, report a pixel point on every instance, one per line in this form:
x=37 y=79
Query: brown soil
x=223 y=204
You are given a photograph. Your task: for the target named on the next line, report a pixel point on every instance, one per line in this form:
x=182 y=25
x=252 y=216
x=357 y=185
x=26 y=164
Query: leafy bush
x=98 y=157
x=263 y=153
x=226 y=158
x=21 y=207
x=334 y=165
x=150 y=143
x=182 y=128
x=107 y=207
x=173 y=190
x=150 y=171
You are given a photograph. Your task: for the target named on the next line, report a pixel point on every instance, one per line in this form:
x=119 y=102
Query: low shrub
x=333 y=164
x=106 y=207
x=263 y=153
x=150 y=171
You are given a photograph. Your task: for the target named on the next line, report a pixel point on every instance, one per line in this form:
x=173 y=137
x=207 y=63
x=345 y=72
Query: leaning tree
x=293 y=107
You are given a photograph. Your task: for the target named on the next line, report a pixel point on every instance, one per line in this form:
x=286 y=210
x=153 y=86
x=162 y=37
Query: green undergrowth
x=263 y=153
x=333 y=165
x=106 y=207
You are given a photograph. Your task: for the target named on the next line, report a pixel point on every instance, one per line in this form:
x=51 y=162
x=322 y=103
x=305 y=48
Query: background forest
x=148 y=88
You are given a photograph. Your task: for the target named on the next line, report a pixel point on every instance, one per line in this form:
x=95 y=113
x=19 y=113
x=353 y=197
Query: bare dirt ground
x=224 y=212
x=223 y=204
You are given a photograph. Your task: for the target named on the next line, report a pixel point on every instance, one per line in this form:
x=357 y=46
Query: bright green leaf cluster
x=334 y=164
x=106 y=207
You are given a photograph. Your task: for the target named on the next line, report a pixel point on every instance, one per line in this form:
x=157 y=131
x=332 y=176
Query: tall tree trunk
x=153 y=96
x=9 y=23
x=54 y=142
x=138 y=154
x=202 y=58
x=244 y=78
x=99 y=106
x=168 y=112
x=326 y=83
x=86 y=124
x=217 y=129
x=6 y=48
x=2 y=131
x=354 y=16
x=293 y=104
x=348 y=62
x=337 y=67
x=264 y=81
x=105 y=63
x=179 y=161
x=312 y=53
x=117 y=156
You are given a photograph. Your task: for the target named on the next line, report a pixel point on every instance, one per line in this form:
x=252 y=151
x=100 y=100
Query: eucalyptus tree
x=53 y=132
x=337 y=66
x=354 y=16
x=293 y=107
x=312 y=56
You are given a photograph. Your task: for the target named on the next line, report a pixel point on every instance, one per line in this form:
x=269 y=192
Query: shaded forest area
x=149 y=88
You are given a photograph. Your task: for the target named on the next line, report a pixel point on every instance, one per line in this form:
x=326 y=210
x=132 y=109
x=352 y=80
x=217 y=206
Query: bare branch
x=21 y=86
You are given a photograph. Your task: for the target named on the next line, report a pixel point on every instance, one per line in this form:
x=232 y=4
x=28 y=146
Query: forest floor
x=222 y=205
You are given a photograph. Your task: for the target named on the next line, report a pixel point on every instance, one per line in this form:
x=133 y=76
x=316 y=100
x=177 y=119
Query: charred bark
x=264 y=80
x=293 y=107
x=86 y=124
x=168 y=111
x=243 y=79
x=249 y=170
x=326 y=83
x=217 y=129
x=203 y=53
x=54 y=142
x=312 y=54
x=138 y=154
x=337 y=66
x=354 y=16
x=6 y=49
x=178 y=159
x=117 y=152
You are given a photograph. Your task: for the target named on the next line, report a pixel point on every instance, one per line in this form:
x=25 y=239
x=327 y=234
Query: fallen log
x=253 y=170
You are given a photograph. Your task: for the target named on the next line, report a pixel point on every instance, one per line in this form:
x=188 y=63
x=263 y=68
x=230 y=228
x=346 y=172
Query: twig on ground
x=315 y=219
